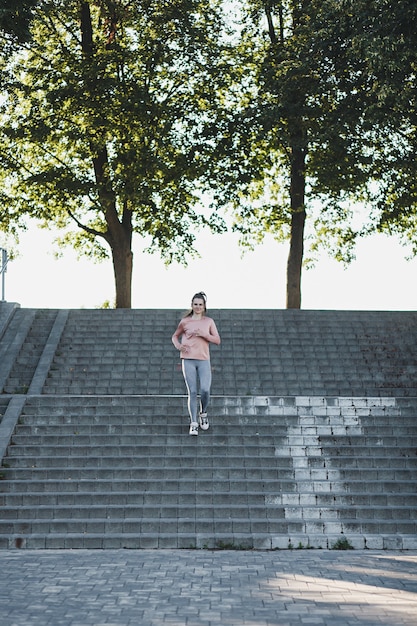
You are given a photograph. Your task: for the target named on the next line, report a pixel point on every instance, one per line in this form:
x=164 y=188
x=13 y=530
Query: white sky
x=379 y=279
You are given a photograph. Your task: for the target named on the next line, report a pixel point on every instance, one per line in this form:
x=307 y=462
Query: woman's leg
x=189 y=370
x=204 y=374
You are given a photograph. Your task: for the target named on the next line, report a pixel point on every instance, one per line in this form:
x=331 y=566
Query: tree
x=385 y=36
x=102 y=125
x=309 y=127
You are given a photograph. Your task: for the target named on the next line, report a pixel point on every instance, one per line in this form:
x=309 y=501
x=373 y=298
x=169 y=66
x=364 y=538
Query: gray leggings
x=194 y=370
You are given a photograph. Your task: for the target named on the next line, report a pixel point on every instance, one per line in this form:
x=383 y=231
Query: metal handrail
x=3 y=269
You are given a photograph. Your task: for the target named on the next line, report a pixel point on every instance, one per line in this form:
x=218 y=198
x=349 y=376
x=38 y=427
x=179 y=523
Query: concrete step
x=75 y=429
x=362 y=463
x=201 y=469
x=277 y=445
x=233 y=541
x=151 y=512
x=346 y=450
x=304 y=406
x=139 y=526
x=303 y=536
x=84 y=510
x=92 y=454
x=134 y=541
x=87 y=456
x=185 y=484
x=124 y=474
x=90 y=492
x=188 y=525
x=125 y=433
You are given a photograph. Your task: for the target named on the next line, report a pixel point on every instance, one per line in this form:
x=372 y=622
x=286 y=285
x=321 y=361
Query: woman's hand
x=192 y=333
x=198 y=333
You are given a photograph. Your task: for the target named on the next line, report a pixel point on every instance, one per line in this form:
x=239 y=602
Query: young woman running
x=192 y=338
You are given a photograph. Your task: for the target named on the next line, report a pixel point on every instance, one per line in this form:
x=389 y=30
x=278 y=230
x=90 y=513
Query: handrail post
x=3 y=269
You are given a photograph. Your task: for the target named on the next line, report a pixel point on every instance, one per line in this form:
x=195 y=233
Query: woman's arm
x=176 y=336
x=213 y=335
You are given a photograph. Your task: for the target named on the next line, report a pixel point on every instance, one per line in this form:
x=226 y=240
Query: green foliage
x=15 y=18
x=334 y=80
x=387 y=41
x=119 y=117
x=102 y=119
x=105 y=305
x=292 y=92
x=342 y=544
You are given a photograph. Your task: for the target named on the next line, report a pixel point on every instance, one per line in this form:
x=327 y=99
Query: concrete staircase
x=313 y=438
x=326 y=353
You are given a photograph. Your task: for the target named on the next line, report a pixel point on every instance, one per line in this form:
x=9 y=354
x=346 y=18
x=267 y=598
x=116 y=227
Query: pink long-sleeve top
x=193 y=338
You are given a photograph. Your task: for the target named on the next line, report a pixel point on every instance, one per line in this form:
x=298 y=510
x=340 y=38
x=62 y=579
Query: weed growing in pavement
x=342 y=544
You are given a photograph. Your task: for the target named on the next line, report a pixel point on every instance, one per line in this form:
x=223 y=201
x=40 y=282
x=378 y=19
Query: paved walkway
x=204 y=588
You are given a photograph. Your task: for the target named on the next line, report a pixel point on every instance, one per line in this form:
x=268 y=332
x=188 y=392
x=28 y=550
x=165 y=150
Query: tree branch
x=271 y=28
x=87 y=229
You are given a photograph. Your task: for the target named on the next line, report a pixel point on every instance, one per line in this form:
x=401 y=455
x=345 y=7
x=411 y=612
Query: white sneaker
x=204 y=423
x=193 y=428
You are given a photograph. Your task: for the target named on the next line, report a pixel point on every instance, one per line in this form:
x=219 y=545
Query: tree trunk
x=297 y=174
x=295 y=257
x=118 y=234
x=123 y=266
x=119 y=231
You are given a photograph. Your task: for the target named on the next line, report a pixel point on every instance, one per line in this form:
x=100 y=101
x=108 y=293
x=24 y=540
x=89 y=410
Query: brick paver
x=207 y=588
